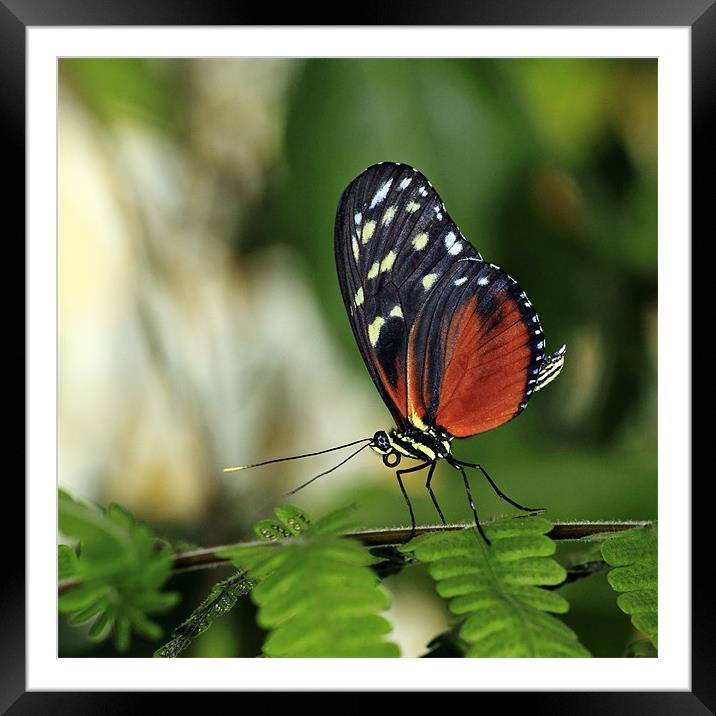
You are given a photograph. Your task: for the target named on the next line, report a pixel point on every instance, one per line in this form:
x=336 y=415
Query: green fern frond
x=315 y=591
x=633 y=557
x=121 y=568
x=220 y=601
x=496 y=590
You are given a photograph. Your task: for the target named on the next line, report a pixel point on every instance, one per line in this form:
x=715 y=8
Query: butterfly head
x=383 y=445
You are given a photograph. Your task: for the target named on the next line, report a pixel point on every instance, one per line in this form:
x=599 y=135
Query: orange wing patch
x=396 y=393
x=487 y=360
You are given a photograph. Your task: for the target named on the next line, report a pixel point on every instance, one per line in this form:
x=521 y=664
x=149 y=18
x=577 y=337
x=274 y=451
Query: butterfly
x=453 y=344
x=451 y=341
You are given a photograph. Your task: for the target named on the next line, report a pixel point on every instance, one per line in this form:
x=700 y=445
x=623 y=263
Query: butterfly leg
x=432 y=494
x=398 y=473
x=497 y=490
x=459 y=466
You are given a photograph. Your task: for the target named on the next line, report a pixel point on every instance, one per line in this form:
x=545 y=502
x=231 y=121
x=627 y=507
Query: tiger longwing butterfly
x=451 y=341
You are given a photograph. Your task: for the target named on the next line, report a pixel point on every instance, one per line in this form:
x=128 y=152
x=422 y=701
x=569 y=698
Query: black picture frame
x=699 y=15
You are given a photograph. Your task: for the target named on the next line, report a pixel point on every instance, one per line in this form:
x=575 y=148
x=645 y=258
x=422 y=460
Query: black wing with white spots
x=407 y=275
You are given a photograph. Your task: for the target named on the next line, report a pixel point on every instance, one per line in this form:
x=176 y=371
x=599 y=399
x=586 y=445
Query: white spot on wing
x=387 y=263
x=381 y=194
x=389 y=214
x=374 y=330
x=429 y=280
x=405 y=182
x=420 y=241
x=367 y=231
x=453 y=246
x=483 y=281
x=460 y=281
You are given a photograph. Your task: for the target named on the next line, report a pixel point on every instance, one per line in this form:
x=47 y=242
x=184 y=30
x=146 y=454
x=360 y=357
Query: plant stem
x=206 y=558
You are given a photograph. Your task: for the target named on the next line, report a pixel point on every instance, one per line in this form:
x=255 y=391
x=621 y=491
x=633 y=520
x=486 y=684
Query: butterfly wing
x=448 y=339
x=475 y=352
x=388 y=222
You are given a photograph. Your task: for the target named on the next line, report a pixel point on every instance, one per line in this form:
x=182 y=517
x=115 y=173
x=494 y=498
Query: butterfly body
x=451 y=341
x=414 y=443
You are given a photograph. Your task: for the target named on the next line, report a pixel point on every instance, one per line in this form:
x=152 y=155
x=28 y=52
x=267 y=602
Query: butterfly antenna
x=343 y=462
x=298 y=457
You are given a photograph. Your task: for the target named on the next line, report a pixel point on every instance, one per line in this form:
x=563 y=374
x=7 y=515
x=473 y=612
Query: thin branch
x=207 y=558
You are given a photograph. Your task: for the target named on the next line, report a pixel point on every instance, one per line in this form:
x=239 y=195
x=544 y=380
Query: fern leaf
x=122 y=570
x=316 y=594
x=220 y=601
x=633 y=557
x=497 y=590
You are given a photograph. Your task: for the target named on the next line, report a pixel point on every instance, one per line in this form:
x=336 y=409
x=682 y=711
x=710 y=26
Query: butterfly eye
x=381 y=441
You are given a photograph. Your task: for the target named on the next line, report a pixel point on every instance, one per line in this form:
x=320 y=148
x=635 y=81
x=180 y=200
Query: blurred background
x=201 y=323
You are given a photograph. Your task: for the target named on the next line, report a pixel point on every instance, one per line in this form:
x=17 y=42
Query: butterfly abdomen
x=421 y=445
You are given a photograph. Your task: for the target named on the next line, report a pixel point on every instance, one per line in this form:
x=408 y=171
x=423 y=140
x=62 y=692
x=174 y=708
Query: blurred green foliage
x=121 y=570
x=140 y=89
x=549 y=167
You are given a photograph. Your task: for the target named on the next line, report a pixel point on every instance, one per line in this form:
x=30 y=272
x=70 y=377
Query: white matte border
x=671 y=670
